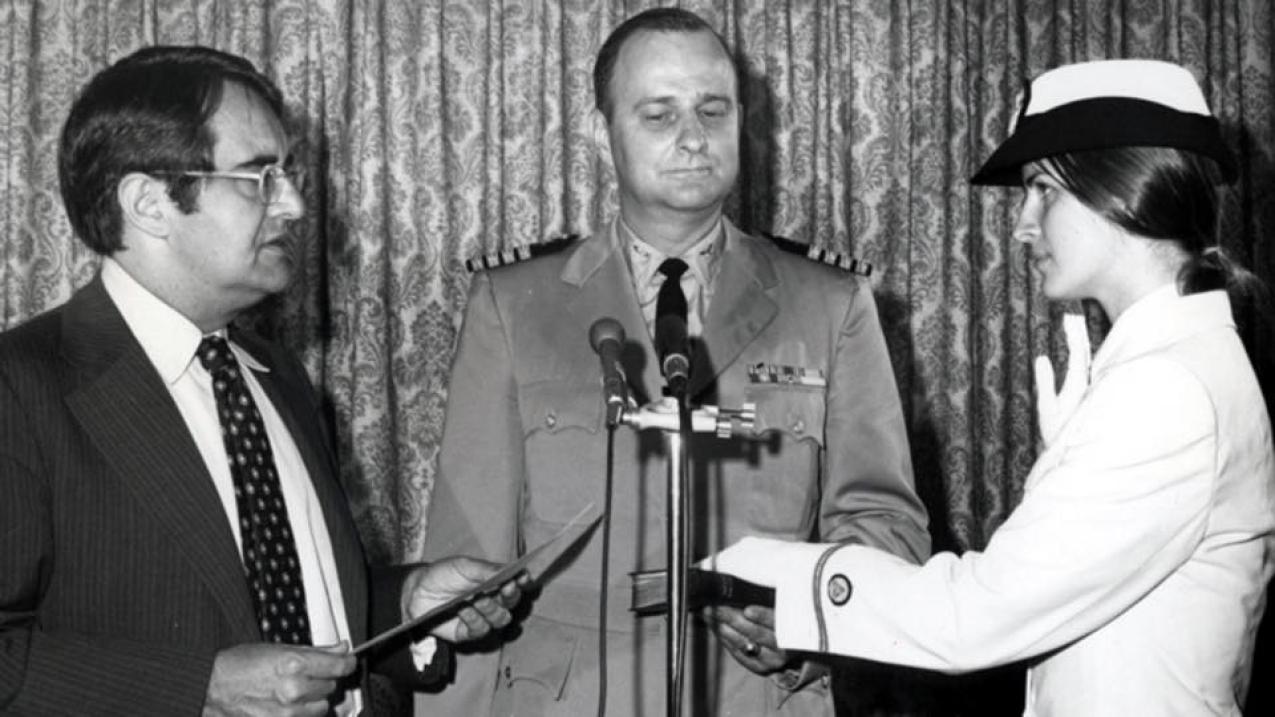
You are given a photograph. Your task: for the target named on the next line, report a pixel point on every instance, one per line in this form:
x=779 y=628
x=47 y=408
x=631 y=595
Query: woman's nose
x=1027 y=228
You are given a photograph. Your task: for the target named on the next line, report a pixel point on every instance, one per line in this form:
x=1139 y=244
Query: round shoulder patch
x=839 y=589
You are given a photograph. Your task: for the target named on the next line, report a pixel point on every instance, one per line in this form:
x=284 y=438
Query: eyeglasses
x=270 y=179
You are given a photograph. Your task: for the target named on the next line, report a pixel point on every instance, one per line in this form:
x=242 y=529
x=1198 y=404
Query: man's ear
x=601 y=132
x=144 y=203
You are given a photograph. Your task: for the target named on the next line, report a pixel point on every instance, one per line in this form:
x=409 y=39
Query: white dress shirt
x=1135 y=568
x=169 y=340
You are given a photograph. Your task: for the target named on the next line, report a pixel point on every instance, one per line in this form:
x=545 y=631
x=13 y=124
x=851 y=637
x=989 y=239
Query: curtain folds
x=434 y=131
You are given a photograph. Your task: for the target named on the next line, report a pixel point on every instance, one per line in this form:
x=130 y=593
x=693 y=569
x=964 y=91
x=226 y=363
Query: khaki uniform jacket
x=524 y=449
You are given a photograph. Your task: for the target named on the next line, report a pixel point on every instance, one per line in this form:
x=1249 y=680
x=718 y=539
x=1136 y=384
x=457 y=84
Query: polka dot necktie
x=269 y=551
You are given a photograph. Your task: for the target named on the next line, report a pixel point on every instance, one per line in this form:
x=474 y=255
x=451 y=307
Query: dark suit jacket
x=120 y=578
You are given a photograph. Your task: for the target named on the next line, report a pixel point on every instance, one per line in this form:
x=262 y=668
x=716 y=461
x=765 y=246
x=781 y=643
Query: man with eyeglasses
x=272 y=179
x=173 y=539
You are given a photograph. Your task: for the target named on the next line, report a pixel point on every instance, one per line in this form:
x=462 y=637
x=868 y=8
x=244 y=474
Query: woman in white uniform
x=1134 y=570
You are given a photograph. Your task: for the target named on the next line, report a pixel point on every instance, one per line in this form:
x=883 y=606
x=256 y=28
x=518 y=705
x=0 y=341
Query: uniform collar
x=1161 y=318
x=703 y=257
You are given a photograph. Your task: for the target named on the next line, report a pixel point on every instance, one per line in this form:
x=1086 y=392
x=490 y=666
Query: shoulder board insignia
x=823 y=256
x=518 y=254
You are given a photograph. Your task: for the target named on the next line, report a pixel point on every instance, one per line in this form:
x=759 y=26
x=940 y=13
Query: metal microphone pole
x=678 y=486
x=677 y=422
x=674 y=418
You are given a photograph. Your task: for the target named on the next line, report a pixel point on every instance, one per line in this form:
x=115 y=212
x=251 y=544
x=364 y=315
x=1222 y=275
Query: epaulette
x=519 y=253
x=823 y=256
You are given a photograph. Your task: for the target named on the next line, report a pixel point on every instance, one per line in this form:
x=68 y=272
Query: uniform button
x=798 y=426
x=551 y=419
x=508 y=674
x=839 y=589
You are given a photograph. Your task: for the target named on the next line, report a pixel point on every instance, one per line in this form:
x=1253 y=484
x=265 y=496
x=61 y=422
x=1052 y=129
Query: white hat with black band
x=1103 y=105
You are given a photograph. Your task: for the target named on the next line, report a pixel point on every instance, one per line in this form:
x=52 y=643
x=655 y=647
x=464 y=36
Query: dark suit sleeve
x=394 y=659
x=868 y=492
x=45 y=670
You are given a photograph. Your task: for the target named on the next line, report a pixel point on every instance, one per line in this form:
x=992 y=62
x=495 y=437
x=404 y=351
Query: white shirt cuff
x=423 y=652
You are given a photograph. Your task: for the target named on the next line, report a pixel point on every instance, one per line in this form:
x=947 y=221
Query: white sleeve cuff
x=798 y=591
x=423 y=652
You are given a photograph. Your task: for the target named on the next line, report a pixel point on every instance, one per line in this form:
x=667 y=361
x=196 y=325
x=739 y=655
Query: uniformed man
x=524 y=445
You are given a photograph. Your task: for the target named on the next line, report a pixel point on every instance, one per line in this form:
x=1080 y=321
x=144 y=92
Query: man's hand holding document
x=463 y=599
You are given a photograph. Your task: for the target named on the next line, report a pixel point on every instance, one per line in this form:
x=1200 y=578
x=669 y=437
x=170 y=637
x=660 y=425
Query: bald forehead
x=660 y=34
x=656 y=46
x=649 y=54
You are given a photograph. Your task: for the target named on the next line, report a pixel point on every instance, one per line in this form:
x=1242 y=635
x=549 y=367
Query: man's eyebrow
x=672 y=99
x=259 y=160
x=714 y=97
x=660 y=100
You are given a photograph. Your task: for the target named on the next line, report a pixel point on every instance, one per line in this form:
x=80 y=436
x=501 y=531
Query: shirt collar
x=702 y=258
x=168 y=338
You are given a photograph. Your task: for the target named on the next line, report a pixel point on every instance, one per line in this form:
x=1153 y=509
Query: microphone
x=606 y=336
x=673 y=349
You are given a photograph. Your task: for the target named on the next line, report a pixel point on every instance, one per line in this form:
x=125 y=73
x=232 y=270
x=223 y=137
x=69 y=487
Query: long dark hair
x=1170 y=195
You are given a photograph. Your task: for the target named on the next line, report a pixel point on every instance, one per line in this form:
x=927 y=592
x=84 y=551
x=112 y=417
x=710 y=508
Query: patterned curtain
x=434 y=131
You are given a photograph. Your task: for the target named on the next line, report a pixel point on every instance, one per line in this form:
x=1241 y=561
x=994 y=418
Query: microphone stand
x=677 y=528
x=673 y=417
x=675 y=447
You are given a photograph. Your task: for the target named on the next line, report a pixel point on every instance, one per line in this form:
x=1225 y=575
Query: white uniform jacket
x=1135 y=566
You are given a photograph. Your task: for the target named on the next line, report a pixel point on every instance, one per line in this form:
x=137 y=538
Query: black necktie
x=671 y=300
x=269 y=551
x=671 y=347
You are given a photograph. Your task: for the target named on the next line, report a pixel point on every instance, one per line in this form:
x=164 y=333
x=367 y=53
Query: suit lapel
x=740 y=311
x=130 y=416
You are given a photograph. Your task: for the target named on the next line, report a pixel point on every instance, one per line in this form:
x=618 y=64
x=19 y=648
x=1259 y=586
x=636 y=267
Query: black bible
x=703 y=587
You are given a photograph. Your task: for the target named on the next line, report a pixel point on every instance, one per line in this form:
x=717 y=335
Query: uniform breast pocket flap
x=793 y=410
x=556 y=406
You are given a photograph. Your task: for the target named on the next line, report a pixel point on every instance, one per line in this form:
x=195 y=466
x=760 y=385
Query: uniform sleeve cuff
x=799 y=605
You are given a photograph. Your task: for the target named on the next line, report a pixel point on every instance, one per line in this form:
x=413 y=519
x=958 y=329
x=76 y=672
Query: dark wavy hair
x=1169 y=195
x=660 y=19
x=147 y=112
